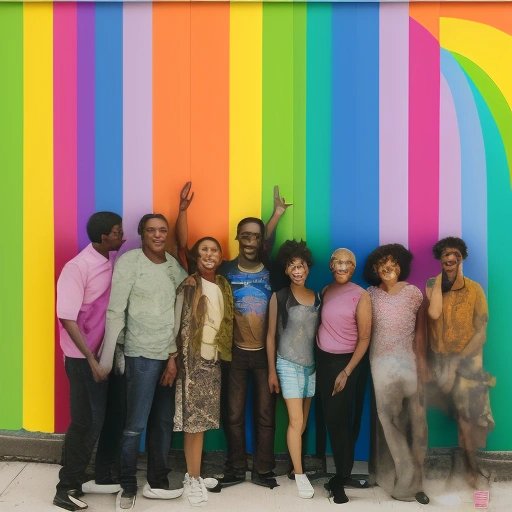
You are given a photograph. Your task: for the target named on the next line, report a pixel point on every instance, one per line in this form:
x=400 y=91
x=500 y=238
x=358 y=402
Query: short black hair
x=397 y=252
x=144 y=219
x=450 y=241
x=246 y=220
x=101 y=223
x=291 y=249
x=193 y=252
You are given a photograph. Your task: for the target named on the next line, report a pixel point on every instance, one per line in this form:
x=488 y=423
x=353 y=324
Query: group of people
x=150 y=346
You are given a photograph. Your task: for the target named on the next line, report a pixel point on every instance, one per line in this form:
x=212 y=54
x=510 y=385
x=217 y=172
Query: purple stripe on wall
x=85 y=118
x=137 y=118
x=394 y=119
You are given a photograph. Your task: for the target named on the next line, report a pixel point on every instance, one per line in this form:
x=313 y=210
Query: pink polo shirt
x=83 y=292
x=338 y=333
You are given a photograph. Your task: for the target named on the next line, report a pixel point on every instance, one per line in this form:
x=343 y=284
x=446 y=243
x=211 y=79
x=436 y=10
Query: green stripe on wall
x=496 y=119
x=277 y=160
x=299 y=120
x=318 y=143
x=11 y=213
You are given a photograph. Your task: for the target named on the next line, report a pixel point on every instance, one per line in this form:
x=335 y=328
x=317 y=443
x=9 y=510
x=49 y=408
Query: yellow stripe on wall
x=245 y=84
x=38 y=258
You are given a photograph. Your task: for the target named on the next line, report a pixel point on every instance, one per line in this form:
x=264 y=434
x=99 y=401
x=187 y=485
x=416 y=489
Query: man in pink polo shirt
x=83 y=292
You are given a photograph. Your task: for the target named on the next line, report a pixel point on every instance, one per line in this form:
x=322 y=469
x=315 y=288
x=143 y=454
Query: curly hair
x=450 y=241
x=291 y=249
x=397 y=252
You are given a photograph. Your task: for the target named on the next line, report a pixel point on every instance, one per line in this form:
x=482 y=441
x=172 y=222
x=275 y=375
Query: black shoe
x=230 y=479
x=336 y=490
x=264 y=479
x=66 y=500
x=422 y=498
x=76 y=493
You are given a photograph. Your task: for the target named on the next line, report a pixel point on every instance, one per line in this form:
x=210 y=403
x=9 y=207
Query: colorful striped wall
x=381 y=123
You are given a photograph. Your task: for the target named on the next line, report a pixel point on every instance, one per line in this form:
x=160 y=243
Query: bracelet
x=347 y=374
x=174 y=355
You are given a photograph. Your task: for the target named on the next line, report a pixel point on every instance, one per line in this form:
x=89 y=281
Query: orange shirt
x=453 y=330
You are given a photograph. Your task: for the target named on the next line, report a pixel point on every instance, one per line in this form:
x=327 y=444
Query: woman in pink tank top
x=342 y=341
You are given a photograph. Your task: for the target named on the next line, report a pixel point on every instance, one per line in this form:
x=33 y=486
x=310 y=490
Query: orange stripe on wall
x=426 y=14
x=210 y=120
x=497 y=15
x=171 y=105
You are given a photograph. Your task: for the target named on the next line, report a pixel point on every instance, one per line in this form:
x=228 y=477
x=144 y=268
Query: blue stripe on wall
x=109 y=107
x=355 y=144
x=474 y=182
x=355 y=130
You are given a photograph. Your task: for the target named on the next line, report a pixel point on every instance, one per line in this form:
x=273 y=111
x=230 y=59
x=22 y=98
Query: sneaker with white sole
x=160 y=494
x=125 y=500
x=91 y=487
x=304 y=486
x=195 y=490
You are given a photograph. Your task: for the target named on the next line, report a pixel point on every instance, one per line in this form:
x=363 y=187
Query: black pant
x=247 y=362
x=339 y=410
x=109 y=443
x=87 y=400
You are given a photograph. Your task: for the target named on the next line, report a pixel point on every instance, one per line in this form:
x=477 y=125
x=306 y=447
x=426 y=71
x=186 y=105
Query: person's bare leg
x=306 y=406
x=294 y=431
x=193 y=447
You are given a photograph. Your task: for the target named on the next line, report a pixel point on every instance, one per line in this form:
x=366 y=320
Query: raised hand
x=280 y=203
x=185 y=196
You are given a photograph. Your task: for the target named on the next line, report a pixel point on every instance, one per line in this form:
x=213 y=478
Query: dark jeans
x=109 y=443
x=146 y=403
x=339 y=410
x=244 y=363
x=87 y=400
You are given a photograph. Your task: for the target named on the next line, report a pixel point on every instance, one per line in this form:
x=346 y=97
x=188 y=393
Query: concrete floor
x=29 y=487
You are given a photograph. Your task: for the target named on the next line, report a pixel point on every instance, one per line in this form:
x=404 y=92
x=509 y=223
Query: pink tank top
x=337 y=333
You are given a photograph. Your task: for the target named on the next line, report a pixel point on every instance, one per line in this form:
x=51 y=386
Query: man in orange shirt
x=457 y=324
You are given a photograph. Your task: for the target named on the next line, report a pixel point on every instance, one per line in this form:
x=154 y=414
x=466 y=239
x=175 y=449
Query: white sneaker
x=304 y=486
x=160 y=494
x=92 y=487
x=196 y=490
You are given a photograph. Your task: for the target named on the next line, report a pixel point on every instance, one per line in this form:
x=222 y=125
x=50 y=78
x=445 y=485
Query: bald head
x=342 y=265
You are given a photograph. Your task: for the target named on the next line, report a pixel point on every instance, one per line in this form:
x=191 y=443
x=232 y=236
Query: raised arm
x=181 y=221
x=280 y=207
x=273 y=382
x=364 y=330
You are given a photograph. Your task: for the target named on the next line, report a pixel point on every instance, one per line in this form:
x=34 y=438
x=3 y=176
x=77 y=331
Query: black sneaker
x=336 y=490
x=67 y=501
x=230 y=479
x=264 y=479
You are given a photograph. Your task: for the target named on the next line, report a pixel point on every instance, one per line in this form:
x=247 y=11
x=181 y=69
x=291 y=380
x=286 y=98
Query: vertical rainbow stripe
x=379 y=122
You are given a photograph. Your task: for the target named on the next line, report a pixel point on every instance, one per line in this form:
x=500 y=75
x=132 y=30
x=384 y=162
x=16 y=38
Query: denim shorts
x=296 y=381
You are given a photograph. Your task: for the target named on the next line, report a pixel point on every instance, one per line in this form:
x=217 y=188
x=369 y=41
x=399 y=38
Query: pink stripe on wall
x=393 y=120
x=450 y=191
x=65 y=169
x=137 y=118
x=423 y=151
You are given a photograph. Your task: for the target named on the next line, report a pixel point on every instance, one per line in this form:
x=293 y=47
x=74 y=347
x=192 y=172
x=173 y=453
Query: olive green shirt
x=141 y=309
